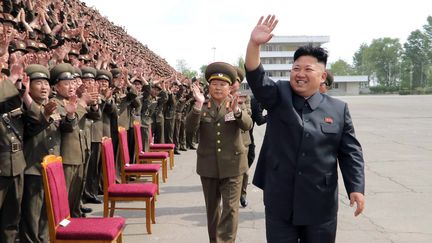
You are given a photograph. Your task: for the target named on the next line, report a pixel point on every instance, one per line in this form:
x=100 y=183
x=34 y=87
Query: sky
x=203 y=31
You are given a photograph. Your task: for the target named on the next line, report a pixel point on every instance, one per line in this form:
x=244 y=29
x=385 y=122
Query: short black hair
x=315 y=51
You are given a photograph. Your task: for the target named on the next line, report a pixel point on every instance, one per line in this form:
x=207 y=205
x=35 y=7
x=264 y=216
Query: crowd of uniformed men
x=68 y=78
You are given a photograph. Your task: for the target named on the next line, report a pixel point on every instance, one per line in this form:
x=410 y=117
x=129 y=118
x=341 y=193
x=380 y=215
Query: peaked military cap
x=88 y=72
x=116 y=72
x=62 y=71
x=74 y=52
x=104 y=74
x=77 y=72
x=36 y=71
x=17 y=46
x=31 y=44
x=240 y=74
x=42 y=47
x=221 y=71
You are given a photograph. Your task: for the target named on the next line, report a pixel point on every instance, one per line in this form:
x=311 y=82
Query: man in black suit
x=308 y=134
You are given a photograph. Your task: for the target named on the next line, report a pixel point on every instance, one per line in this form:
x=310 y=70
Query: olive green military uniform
x=221 y=158
x=147 y=110
x=158 y=118
x=169 y=117
x=73 y=142
x=38 y=142
x=12 y=162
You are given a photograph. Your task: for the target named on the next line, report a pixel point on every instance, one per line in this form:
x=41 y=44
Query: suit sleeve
x=257 y=113
x=350 y=157
x=263 y=88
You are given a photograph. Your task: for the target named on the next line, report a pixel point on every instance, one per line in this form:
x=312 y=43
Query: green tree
x=341 y=67
x=416 y=53
x=359 y=64
x=383 y=59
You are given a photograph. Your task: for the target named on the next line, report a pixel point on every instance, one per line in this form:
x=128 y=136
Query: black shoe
x=192 y=147
x=243 y=201
x=93 y=200
x=183 y=149
x=83 y=215
x=85 y=210
x=177 y=152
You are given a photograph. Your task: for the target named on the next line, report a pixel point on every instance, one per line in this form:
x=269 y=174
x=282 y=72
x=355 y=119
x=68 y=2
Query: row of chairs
x=63 y=228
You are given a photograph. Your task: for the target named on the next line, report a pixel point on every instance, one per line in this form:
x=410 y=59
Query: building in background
x=277 y=57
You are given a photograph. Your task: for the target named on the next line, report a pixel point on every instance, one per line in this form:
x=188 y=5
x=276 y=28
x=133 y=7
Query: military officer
x=73 y=142
x=89 y=74
x=37 y=144
x=221 y=160
x=12 y=162
x=169 y=112
x=126 y=101
x=160 y=94
x=244 y=101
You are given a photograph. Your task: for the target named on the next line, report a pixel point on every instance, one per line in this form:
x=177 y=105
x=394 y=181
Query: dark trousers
x=74 y=183
x=93 y=171
x=34 y=221
x=279 y=230
x=222 y=222
x=11 y=191
x=145 y=139
x=158 y=132
x=177 y=125
x=182 y=134
x=169 y=130
x=131 y=145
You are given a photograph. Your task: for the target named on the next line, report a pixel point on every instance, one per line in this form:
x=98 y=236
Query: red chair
x=63 y=228
x=113 y=192
x=135 y=169
x=149 y=157
x=162 y=147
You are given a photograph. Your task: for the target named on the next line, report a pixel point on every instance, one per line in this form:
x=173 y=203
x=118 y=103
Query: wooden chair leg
x=148 y=215
x=120 y=238
x=164 y=170
x=153 y=213
x=155 y=180
x=113 y=203
x=171 y=154
x=105 y=211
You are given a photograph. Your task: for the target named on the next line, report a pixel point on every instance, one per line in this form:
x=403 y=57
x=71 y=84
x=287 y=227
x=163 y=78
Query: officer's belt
x=14 y=147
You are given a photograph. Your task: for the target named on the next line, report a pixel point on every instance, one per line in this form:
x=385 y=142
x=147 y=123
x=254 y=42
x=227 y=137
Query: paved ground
x=396 y=134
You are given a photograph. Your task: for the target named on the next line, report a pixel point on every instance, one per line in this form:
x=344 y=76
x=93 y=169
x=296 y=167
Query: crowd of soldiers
x=68 y=78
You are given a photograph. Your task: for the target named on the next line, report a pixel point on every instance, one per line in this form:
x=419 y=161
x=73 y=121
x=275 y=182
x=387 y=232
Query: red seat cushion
x=132 y=190
x=142 y=168
x=151 y=155
x=162 y=146
x=91 y=229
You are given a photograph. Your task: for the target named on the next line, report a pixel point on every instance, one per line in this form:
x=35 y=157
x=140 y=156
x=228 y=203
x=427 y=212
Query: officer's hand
x=199 y=97
x=262 y=32
x=71 y=105
x=234 y=103
x=49 y=109
x=358 y=198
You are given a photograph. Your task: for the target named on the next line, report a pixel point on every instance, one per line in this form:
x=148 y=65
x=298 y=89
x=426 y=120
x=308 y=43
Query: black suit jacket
x=304 y=139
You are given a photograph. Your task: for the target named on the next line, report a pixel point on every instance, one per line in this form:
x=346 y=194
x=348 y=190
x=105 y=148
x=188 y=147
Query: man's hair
x=330 y=78
x=319 y=53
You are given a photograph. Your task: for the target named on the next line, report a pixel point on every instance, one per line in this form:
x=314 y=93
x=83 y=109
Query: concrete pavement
x=396 y=135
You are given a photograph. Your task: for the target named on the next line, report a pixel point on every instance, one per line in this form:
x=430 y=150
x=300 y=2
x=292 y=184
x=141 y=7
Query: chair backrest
x=108 y=162
x=123 y=145
x=138 y=137
x=56 y=195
